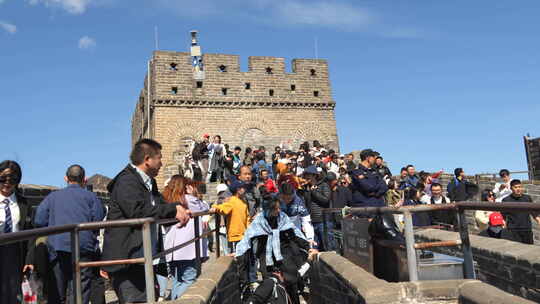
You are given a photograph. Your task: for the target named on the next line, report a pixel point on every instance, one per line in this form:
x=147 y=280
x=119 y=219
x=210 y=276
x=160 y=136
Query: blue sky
x=439 y=84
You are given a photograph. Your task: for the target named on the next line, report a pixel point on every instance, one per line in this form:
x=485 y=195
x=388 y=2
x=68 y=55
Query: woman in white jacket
x=182 y=261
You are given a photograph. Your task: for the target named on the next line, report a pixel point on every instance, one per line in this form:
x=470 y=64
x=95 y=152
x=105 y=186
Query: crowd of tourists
x=271 y=202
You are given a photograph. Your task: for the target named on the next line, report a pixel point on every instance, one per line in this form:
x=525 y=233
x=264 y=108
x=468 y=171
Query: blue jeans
x=319 y=236
x=184 y=274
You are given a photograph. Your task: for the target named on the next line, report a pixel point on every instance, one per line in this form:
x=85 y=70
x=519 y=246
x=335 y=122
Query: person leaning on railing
x=182 y=262
x=134 y=194
x=14 y=216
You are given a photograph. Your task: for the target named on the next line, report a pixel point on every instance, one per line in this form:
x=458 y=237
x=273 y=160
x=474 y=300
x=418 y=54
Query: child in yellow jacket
x=236 y=211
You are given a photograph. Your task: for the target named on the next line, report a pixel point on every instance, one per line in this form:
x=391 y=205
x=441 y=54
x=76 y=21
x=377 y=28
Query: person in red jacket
x=268 y=183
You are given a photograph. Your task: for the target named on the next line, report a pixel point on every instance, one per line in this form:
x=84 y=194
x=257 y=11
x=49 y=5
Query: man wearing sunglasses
x=14 y=217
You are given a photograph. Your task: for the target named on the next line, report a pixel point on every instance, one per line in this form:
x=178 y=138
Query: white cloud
x=71 y=6
x=8 y=27
x=87 y=43
x=319 y=13
x=324 y=14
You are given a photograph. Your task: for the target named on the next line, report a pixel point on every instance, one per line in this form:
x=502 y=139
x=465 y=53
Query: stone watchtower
x=186 y=95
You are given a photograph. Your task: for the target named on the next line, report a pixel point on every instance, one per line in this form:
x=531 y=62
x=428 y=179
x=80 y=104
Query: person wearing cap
x=459 y=189
x=236 y=211
x=368 y=187
x=317 y=195
x=502 y=190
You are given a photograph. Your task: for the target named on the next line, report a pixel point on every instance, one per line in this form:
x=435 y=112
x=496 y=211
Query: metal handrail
x=147 y=259
x=411 y=246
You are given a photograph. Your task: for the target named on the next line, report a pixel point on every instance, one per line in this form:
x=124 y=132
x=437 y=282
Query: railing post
x=468 y=263
x=148 y=263
x=75 y=259
x=217 y=242
x=412 y=263
x=325 y=232
x=196 y=221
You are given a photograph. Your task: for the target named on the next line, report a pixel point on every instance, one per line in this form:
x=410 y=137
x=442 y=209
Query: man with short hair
x=71 y=205
x=502 y=190
x=237 y=161
x=437 y=198
x=349 y=162
x=252 y=194
x=412 y=179
x=459 y=189
x=134 y=194
x=382 y=169
x=519 y=223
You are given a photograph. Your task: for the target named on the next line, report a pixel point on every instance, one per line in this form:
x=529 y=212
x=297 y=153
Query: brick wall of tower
x=253 y=127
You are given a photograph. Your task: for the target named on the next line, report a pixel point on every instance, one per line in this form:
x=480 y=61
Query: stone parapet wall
x=218 y=284
x=337 y=280
x=510 y=266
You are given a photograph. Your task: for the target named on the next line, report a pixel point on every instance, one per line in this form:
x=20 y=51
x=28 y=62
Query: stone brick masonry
x=264 y=106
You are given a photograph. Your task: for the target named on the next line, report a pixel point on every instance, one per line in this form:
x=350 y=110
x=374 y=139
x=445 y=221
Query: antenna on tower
x=156 y=37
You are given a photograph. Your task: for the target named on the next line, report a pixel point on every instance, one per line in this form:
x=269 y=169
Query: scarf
x=260 y=227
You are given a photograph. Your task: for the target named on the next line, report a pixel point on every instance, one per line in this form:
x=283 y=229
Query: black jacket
x=130 y=199
x=317 y=199
x=293 y=249
x=461 y=190
x=518 y=220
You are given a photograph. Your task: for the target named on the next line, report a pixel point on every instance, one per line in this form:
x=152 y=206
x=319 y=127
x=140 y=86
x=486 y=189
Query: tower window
x=293 y=87
x=172 y=67
x=313 y=72
x=247 y=86
x=199 y=84
x=224 y=91
x=174 y=90
x=271 y=92
x=269 y=71
x=316 y=93
x=222 y=68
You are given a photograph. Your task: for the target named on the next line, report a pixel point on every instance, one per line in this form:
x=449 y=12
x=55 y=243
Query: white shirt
x=15 y=212
x=147 y=181
x=500 y=195
x=426 y=199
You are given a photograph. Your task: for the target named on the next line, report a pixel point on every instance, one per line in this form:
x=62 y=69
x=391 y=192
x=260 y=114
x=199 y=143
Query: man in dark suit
x=14 y=216
x=134 y=194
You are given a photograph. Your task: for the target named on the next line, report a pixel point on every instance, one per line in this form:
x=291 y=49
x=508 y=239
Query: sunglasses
x=7 y=180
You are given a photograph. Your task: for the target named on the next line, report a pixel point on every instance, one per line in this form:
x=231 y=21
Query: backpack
x=269 y=291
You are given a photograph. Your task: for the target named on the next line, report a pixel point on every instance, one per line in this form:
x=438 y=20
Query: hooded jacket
x=131 y=199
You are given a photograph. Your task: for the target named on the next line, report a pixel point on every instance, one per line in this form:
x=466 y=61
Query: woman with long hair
x=184 y=268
